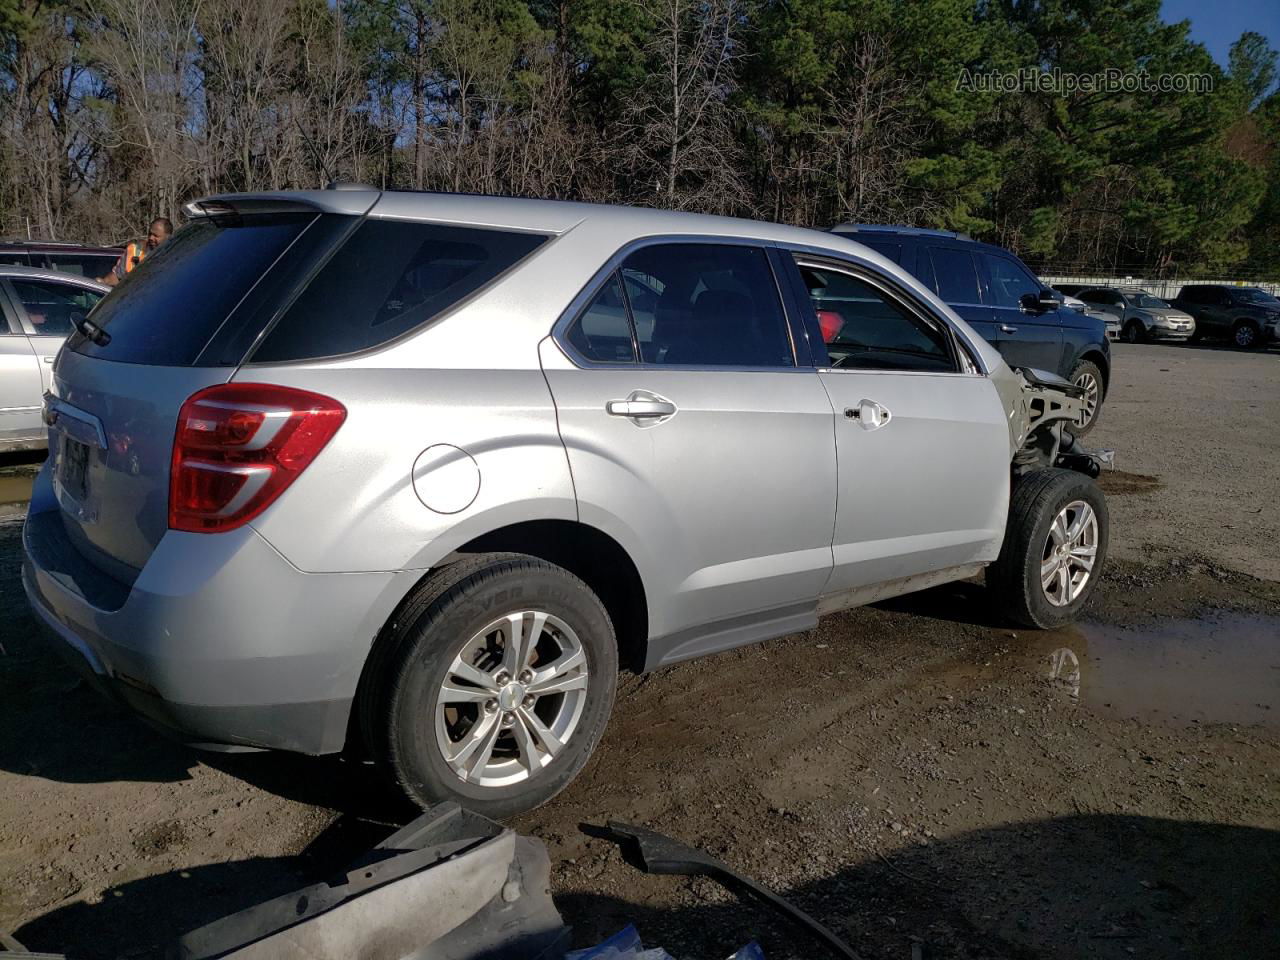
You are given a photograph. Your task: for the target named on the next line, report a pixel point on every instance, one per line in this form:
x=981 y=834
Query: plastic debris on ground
x=626 y=945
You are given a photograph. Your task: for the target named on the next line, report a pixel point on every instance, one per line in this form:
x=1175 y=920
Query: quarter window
x=53 y=307
x=388 y=278
x=603 y=332
x=866 y=329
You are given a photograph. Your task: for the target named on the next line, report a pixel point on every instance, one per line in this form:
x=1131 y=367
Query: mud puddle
x=1224 y=668
x=15 y=490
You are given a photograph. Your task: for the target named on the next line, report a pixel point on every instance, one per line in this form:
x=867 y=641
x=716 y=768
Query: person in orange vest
x=135 y=252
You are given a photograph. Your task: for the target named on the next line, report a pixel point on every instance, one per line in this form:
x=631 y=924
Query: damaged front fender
x=1040 y=408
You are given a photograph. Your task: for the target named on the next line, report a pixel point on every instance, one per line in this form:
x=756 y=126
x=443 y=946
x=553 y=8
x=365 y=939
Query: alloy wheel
x=1070 y=551
x=512 y=698
x=1245 y=335
x=1092 y=389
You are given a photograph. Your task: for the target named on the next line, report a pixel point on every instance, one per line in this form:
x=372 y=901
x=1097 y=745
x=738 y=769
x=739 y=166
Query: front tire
x=1246 y=335
x=1135 y=332
x=499 y=686
x=1055 y=544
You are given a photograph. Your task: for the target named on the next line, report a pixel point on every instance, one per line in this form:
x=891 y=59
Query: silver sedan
x=38 y=309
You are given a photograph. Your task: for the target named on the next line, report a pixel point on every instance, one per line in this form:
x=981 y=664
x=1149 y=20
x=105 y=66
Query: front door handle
x=1005 y=328
x=642 y=408
x=869 y=414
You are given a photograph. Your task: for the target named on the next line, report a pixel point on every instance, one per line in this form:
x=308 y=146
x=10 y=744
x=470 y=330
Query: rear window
x=167 y=309
x=388 y=278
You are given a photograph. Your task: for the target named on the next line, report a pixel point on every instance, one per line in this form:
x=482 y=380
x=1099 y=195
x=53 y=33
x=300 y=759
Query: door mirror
x=1041 y=302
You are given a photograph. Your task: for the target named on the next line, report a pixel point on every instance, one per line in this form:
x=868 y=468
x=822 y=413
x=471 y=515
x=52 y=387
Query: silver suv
x=417 y=474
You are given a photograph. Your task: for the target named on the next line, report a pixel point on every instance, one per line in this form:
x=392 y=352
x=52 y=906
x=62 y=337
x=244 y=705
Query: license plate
x=73 y=468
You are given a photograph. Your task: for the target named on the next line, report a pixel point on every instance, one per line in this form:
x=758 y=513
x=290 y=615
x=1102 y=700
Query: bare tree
x=146 y=50
x=678 y=139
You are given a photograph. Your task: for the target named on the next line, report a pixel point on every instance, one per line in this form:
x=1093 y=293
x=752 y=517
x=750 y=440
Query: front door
x=922 y=447
x=1026 y=338
x=696 y=439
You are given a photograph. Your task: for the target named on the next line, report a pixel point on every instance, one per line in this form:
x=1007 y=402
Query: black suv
x=995 y=293
x=1248 y=315
x=83 y=261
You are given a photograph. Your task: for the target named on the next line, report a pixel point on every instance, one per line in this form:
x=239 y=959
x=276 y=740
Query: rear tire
x=452 y=680
x=1088 y=376
x=1038 y=546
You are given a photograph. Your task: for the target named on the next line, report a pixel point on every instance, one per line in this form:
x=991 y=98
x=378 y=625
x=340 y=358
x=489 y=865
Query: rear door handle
x=642 y=406
x=1005 y=328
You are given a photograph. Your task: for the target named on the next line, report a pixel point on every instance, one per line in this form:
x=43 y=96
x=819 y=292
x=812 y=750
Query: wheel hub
x=511 y=699
x=511 y=695
x=1070 y=551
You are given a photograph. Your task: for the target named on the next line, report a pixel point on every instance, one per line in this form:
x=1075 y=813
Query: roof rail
x=897 y=228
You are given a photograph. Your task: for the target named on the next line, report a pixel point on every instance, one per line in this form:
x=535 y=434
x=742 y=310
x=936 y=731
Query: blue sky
x=1219 y=23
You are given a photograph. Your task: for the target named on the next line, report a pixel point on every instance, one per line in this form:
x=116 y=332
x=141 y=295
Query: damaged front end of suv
x=1042 y=409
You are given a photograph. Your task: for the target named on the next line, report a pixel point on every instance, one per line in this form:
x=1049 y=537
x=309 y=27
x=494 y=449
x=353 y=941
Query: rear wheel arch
x=588 y=553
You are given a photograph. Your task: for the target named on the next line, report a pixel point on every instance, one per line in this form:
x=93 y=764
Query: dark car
x=79 y=259
x=997 y=295
x=1070 y=289
x=1249 y=316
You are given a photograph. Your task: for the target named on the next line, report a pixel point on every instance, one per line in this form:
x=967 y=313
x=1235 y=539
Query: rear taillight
x=238 y=446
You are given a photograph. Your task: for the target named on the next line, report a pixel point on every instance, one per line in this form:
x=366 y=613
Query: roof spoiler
x=351 y=201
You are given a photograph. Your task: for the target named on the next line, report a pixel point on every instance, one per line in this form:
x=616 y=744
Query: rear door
x=1025 y=338
x=20 y=386
x=922 y=447
x=953 y=274
x=690 y=424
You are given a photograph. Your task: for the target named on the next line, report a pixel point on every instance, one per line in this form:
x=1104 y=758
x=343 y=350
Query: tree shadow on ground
x=1096 y=885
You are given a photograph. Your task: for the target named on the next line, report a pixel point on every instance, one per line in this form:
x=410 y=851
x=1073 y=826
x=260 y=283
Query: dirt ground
x=913 y=774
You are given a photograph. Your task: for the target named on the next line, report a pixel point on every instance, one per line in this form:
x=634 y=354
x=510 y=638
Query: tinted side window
x=13 y=257
x=51 y=307
x=955 y=275
x=866 y=329
x=704 y=304
x=1009 y=281
x=1092 y=296
x=91 y=265
x=389 y=277
x=602 y=331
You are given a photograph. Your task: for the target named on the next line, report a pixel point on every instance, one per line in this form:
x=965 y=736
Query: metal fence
x=1166 y=288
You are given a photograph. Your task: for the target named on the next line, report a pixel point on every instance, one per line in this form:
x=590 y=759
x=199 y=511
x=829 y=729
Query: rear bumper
x=220 y=640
